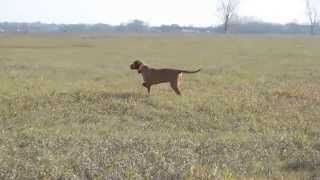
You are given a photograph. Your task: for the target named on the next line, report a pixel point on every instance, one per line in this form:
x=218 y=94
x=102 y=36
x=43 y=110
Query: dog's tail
x=190 y=72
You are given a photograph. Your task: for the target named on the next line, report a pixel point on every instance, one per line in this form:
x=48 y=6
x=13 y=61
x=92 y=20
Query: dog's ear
x=137 y=62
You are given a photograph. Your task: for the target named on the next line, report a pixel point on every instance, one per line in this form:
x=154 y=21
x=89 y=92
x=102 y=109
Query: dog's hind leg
x=179 y=80
x=174 y=86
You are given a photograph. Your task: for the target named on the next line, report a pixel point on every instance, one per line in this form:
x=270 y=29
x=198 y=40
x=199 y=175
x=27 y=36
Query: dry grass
x=72 y=109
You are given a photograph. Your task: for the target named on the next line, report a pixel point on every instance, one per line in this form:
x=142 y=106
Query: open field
x=70 y=107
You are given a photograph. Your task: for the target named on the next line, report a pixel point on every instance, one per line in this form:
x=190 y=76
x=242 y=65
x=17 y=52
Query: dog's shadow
x=93 y=97
x=119 y=95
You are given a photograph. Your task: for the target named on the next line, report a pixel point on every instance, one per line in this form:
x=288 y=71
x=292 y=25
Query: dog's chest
x=146 y=75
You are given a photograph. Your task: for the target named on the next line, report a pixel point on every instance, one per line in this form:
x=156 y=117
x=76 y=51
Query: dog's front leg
x=148 y=86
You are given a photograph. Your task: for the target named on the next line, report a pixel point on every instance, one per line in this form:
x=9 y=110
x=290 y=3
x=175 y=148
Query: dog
x=153 y=76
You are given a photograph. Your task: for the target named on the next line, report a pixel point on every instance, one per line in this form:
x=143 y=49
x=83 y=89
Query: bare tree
x=227 y=10
x=312 y=15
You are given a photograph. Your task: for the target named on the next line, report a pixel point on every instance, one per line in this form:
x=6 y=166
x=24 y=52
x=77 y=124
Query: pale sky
x=154 y=12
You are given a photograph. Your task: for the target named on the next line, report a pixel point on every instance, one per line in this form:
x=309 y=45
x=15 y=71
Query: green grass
x=71 y=108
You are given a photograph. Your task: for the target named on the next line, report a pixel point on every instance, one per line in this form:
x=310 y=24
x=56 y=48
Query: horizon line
x=150 y=25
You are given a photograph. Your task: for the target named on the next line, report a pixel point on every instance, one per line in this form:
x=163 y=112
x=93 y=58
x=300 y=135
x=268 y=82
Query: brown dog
x=153 y=76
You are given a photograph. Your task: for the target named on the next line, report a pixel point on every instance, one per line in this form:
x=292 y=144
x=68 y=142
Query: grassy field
x=70 y=107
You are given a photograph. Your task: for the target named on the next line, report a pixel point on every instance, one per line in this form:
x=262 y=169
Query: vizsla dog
x=153 y=76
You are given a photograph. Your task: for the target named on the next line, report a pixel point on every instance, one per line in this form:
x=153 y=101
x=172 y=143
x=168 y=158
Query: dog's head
x=136 y=65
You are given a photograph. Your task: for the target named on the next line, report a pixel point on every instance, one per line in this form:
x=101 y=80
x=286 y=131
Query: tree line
x=226 y=11
x=245 y=27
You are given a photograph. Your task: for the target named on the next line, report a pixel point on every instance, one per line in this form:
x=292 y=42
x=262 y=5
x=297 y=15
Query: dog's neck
x=141 y=68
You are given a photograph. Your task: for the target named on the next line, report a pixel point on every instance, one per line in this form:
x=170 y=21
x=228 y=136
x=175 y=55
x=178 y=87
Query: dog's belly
x=155 y=80
x=158 y=81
